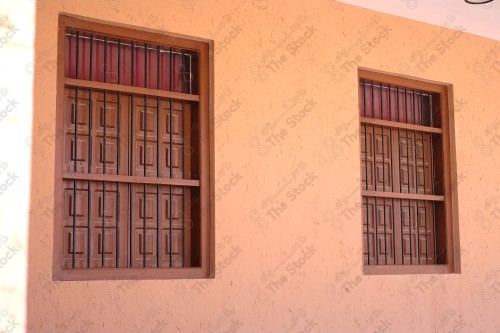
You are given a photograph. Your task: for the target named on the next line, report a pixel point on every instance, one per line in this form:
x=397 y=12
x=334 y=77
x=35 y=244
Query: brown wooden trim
x=206 y=98
x=130 y=89
x=137 y=33
x=406 y=269
x=129 y=274
x=395 y=124
x=211 y=189
x=453 y=196
x=397 y=195
x=204 y=163
x=448 y=205
x=59 y=158
x=400 y=80
x=131 y=179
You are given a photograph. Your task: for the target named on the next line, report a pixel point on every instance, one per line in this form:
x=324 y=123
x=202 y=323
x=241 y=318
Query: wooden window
x=409 y=224
x=133 y=154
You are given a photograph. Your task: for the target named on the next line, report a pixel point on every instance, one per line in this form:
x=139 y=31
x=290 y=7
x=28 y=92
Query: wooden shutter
x=118 y=145
x=399 y=174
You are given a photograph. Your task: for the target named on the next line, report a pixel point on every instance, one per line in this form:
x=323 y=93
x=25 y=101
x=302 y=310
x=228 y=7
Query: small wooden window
x=133 y=154
x=405 y=175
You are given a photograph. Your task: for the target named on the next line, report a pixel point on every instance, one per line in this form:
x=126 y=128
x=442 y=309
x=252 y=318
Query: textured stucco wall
x=288 y=257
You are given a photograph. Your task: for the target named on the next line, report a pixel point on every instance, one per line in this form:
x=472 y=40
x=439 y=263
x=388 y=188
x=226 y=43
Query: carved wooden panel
x=418 y=231
x=155 y=212
x=387 y=233
x=92 y=149
x=376 y=152
x=378 y=231
x=109 y=210
x=76 y=148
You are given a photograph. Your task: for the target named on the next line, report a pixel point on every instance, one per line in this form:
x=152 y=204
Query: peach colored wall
x=299 y=271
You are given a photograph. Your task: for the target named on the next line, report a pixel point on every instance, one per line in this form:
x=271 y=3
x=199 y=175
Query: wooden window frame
x=205 y=98
x=450 y=196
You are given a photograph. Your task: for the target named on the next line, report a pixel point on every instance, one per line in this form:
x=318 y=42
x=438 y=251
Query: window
x=133 y=154
x=408 y=204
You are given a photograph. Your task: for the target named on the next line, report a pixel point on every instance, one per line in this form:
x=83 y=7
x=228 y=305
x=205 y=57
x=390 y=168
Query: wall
x=289 y=263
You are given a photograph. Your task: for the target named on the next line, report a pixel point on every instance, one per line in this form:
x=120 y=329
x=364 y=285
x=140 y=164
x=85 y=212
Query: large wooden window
x=133 y=154
x=407 y=197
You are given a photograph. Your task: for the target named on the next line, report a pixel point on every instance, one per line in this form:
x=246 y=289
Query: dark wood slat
x=395 y=124
x=131 y=179
x=408 y=196
x=130 y=89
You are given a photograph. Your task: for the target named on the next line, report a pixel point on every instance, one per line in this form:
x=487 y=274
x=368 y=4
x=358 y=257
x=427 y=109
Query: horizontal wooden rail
x=130 y=179
x=130 y=89
x=397 y=195
x=395 y=124
x=406 y=269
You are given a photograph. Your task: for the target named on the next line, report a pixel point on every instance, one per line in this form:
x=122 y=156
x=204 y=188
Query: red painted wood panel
x=130 y=63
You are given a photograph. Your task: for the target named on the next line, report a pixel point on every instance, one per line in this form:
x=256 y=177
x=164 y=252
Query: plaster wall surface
x=289 y=261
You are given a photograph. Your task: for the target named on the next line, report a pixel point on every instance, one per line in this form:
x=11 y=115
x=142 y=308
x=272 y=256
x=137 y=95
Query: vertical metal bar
x=144 y=226
x=392 y=182
x=191 y=75
x=77 y=54
x=158 y=72
x=131 y=159
x=415 y=159
x=431 y=112
x=409 y=175
x=89 y=196
x=104 y=160
x=383 y=170
x=105 y=67
x=117 y=223
x=433 y=179
x=170 y=158
x=422 y=121
x=145 y=106
x=375 y=175
x=130 y=250
x=118 y=145
x=119 y=61
x=75 y=151
x=145 y=159
x=366 y=175
x=104 y=188
x=400 y=181
x=425 y=188
x=183 y=167
x=158 y=159
x=132 y=65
